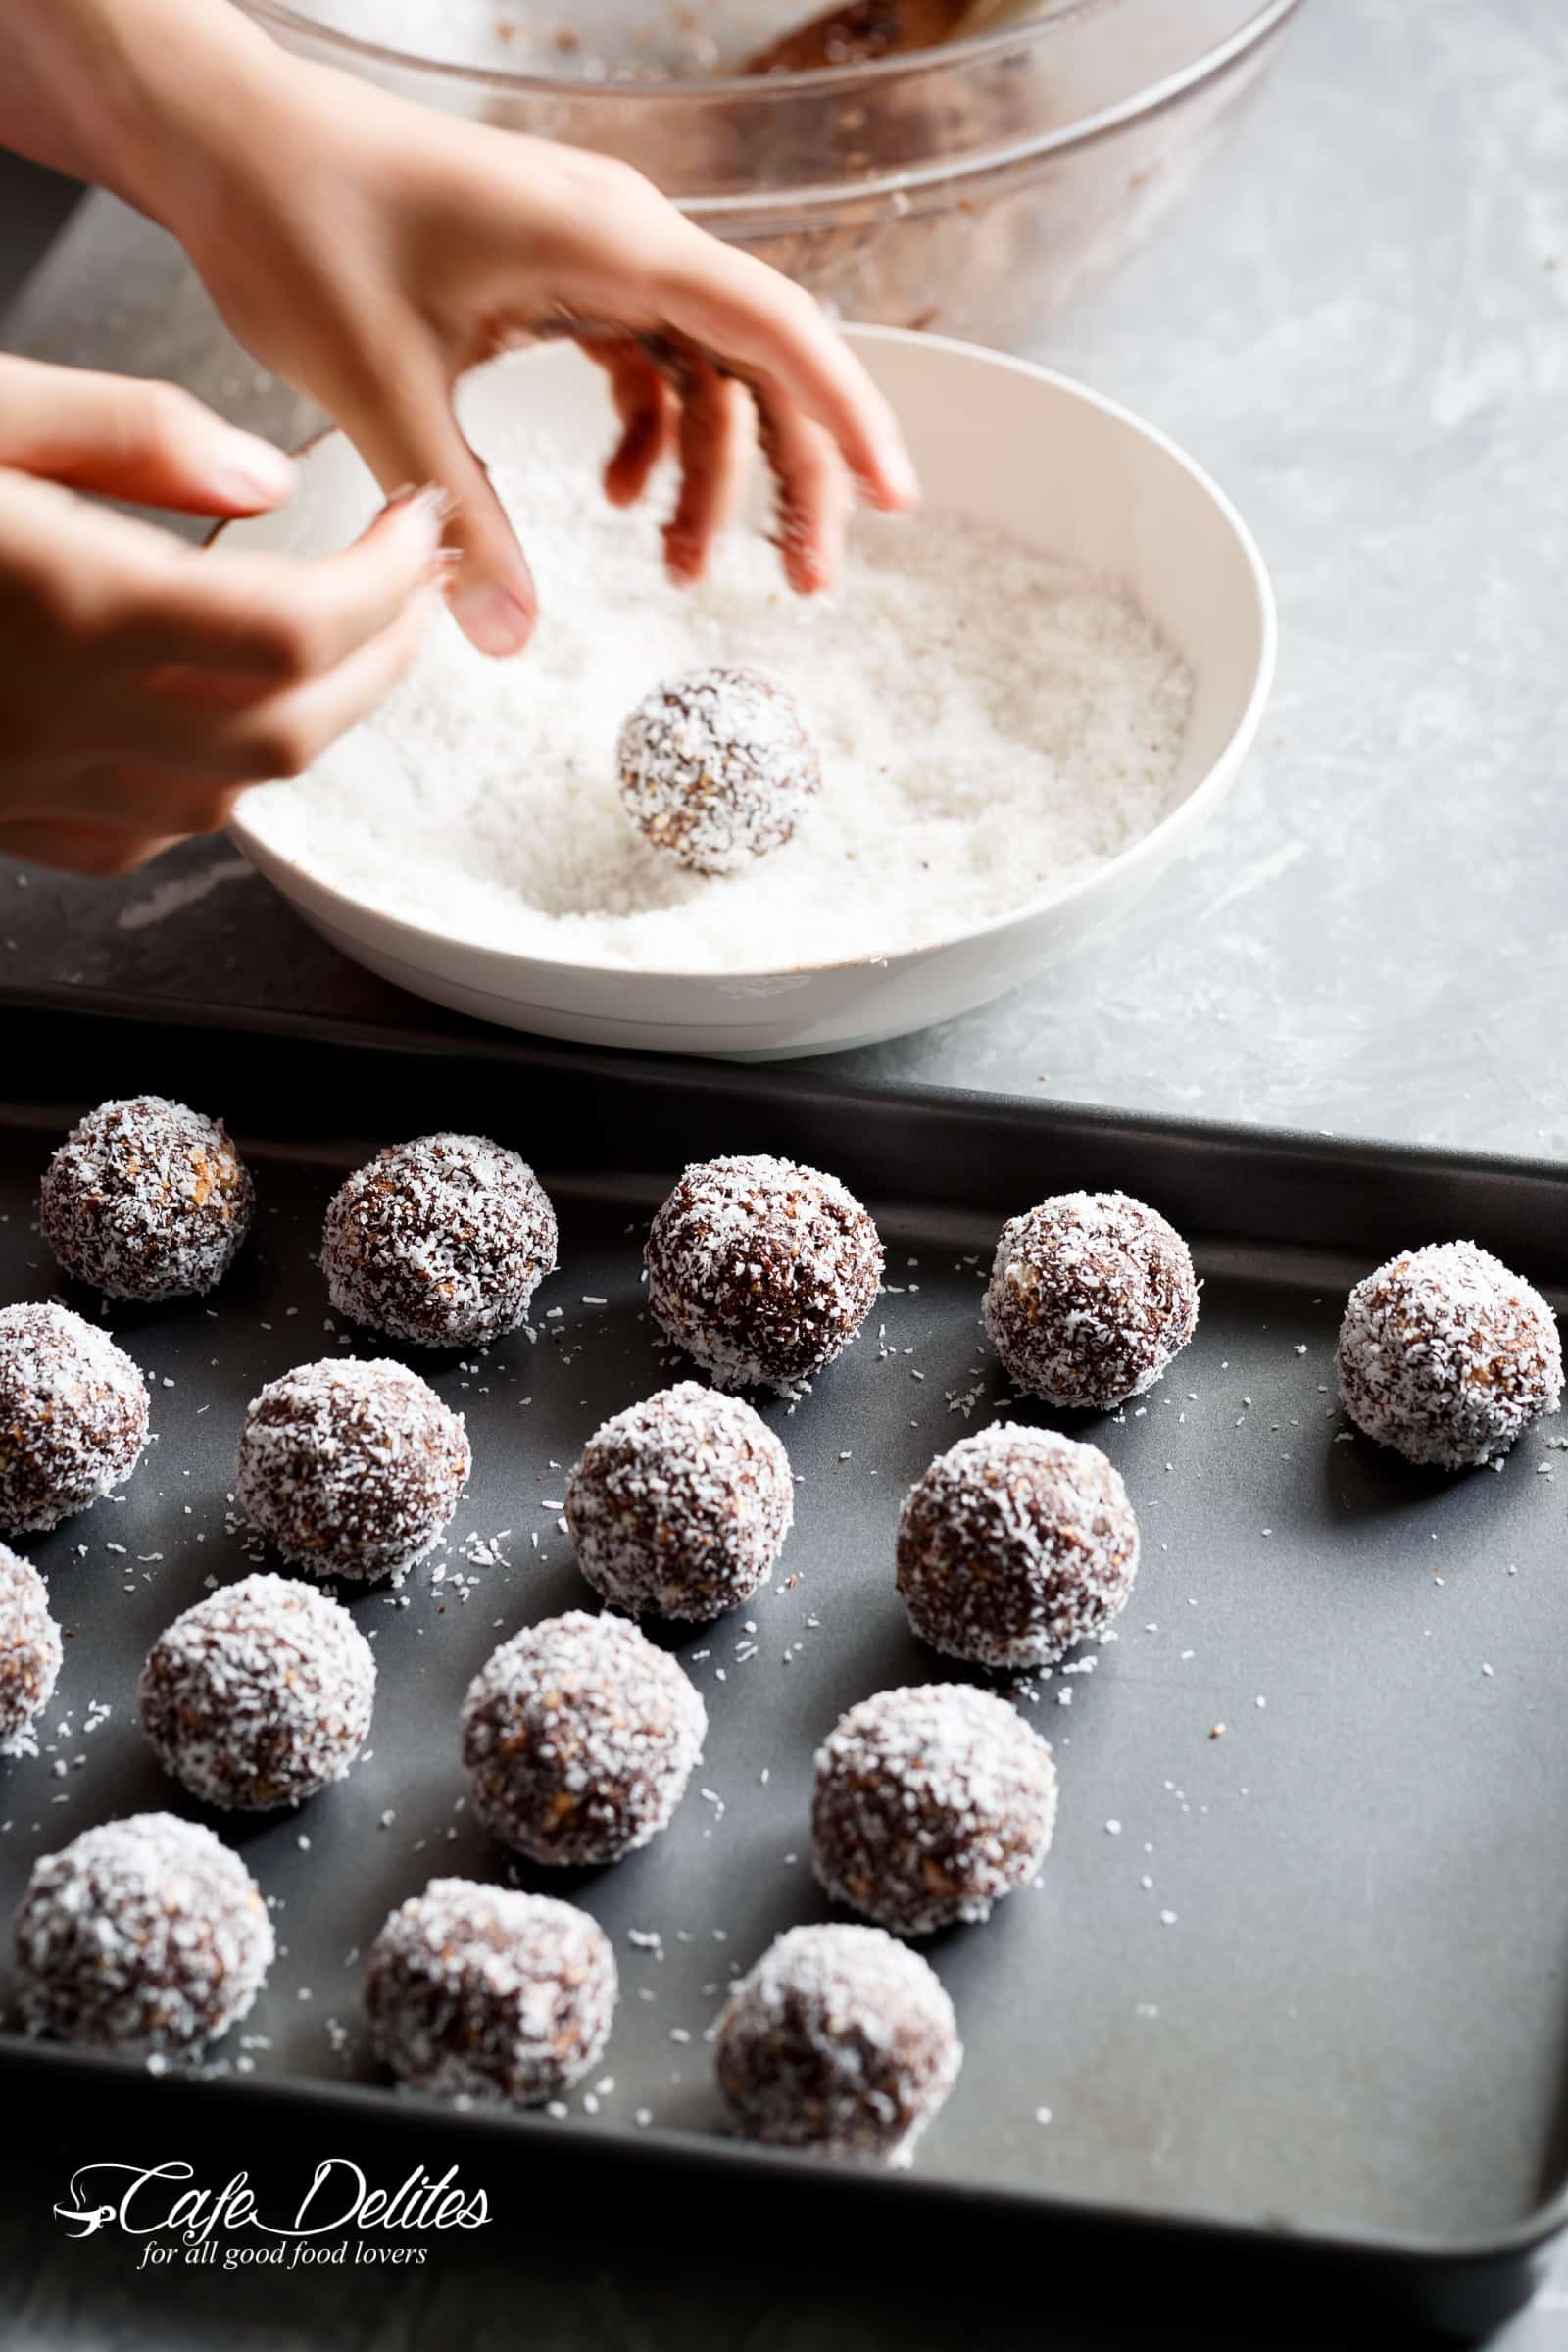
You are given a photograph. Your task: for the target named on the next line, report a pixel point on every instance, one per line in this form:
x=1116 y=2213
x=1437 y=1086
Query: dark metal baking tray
x=1345 y=2047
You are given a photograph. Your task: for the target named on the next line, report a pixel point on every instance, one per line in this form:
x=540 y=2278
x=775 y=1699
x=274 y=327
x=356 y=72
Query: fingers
x=184 y=765
x=265 y=617
x=645 y=403
x=756 y=321
x=94 y=850
x=407 y=433
x=813 y=494
x=127 y=438
x=715 y=445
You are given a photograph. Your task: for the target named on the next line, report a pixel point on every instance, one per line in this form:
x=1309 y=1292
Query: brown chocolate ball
x=260 y=1696
x=481 y=1993
x=352 y=1469
x=716 y=768
x=1446 y=1357
x=579 y=1738
x=31 y=1652
x=73 y=1416
x=839 y=2039
x=680 y=1506
x=1091 y=1296
x=761 y=1269
x=146 y=1200
x=1014 y=1545
x=441 y=1242
x=141 y=1934
x=930 y=1803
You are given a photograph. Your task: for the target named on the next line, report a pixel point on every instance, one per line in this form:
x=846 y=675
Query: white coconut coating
x=74 y=1415
x=481 y=1993
x=1014 y=1545
x=579 y=1738
x=761 y=1269
x=141 y=1934
x=146 y=1200
x=1448 y=1357
x=716 y=768
x=258 y=1695
x=441 y=1242
x=1091 y=1295
x=352 y=1469
x=680 y=1506
x=30 y=1651
x=839 y=2039
x=929 y=1804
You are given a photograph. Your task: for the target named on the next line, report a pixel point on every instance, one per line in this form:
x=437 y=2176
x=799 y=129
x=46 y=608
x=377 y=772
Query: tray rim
x=800 y=1079
x=530 y=2134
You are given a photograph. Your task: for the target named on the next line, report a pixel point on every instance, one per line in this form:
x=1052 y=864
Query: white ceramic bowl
x=995 y=437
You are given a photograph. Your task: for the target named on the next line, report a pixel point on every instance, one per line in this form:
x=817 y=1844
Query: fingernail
x=426 y=512
x=491 y=618
x=901 y=476
x=250 y=471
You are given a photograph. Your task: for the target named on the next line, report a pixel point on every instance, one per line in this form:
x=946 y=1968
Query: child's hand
x=370 y=251
x=142 y=682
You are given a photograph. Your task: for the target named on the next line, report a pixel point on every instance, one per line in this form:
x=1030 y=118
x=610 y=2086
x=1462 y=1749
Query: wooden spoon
x=857 y=32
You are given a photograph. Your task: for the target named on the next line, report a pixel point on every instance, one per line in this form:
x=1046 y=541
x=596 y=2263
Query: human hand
x=370 y=251
x=144 y=683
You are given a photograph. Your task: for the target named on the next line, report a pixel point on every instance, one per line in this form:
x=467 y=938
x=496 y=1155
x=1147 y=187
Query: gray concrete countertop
x=1359 y=322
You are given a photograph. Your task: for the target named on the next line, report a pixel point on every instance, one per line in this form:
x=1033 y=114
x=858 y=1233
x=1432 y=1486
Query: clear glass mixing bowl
x=974 y=189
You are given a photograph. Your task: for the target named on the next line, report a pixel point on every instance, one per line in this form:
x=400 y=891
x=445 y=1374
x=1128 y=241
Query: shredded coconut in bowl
x=991 y=725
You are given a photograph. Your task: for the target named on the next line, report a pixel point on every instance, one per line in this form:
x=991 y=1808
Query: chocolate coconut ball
x=761 y=1269
x=441 y=1242
x=840 y=2040
x=929 y=1804
x=1014 y=1545
x=146 y=1200
x=352 y=1469
x=30 y=1652
x=477 y=1993
x=716 y=768
x=680 y=1507
x=258 y=1695
x=146 y=1934
x=1446 y=1357
x=1091 y=1296
x=579 y=1738
x=73 y=1416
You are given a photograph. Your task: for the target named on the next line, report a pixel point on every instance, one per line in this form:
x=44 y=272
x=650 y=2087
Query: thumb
x=411 y=435
x=131 y=438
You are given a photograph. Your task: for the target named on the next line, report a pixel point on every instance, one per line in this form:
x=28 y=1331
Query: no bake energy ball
x=482 y=1994
x=1446 y=1357
x=258 y=1695
x=579 y=1738
x=1091 y=1296
x=761 y=1269
x=146 y=1200
x=840 y=2040
x=73 y=1416
x=30 y=1652
x=441 y=1242
x=352 y=1469
x=680 y=1506
x=929 y=1804
x=1014 y=1545
x=715 y=768
x=141 y=1934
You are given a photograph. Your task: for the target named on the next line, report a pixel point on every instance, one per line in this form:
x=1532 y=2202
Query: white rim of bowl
x=1224 y=765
